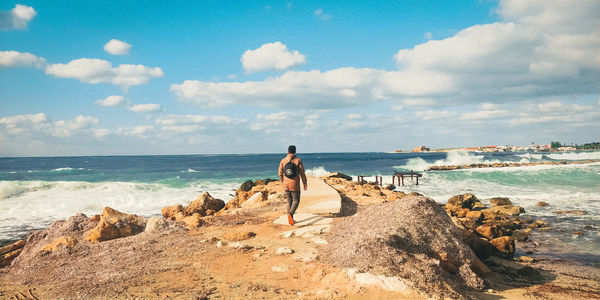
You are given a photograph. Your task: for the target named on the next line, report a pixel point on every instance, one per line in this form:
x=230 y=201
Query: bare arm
x=280 y=172
x=302 y=174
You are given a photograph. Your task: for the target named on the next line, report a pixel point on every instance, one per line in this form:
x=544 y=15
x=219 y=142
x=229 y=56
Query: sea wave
x=454 y=158
x=66 y=169
x=575 y=155
x=189 y=170
x=317 y=171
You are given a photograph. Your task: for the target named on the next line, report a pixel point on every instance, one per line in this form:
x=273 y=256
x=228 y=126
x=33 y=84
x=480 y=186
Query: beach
x=33 y=198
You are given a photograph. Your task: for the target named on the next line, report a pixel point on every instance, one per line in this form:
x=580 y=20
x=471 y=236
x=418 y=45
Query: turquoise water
x=36 y=191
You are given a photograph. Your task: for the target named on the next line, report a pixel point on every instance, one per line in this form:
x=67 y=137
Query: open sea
x=34 y=192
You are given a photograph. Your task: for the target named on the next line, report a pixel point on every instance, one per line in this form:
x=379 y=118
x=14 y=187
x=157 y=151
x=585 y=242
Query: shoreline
x=242 y=234
x=512 y=164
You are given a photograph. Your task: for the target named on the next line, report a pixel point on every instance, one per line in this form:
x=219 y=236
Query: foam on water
x=35 y=204
x=575 y=155
x=317 y=172
x=454 y=158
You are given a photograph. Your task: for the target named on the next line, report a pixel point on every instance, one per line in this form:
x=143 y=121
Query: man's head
x=292 y=149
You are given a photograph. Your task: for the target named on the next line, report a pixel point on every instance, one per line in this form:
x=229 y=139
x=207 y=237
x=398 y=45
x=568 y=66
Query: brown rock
x=65 y=241
x=500 y=201
x=210 y=212
x=461 y=201
x=341 y=175
x=246 y=186
x=480 y=246
x=542 y=204
x=469 y=223
x=203 y=203
x=461 y=213
x=257 y=200
x=578 y=233
x=238 y=235
x=507 y=210
x=95 y=218
x=521 y=235
x=169 y=212
x=477 y=215
x=505 y=244
x=478 y=206
x=490 y=231
x=12 y=247
x=571 y=212
x=193 y=221
x=115 y=224
x=9 y=252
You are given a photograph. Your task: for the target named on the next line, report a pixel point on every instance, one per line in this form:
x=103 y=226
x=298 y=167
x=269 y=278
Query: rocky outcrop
x=500 y=201
x=269 y=189
x=115 y=224
x=203 y=203
x=412 y=239
x=63 y=241
x=459 y=202
x=192 y=214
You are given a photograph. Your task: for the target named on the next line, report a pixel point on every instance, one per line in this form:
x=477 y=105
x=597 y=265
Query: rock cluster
x=115 y=224
x=490 y=231
x=254 y=194
x=191 y=215
x=506 y=164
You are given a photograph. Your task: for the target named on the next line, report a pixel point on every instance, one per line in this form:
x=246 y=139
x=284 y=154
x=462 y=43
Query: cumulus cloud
x=354 y=116
x=535 y=50
x=144 y=108
x=116 y=47
x=27 y=125
x=271 y=56
x=14 y=59
x=114 y=100
x=16 y=18
x=321 y=15
x=139 y=131
x=93 y=70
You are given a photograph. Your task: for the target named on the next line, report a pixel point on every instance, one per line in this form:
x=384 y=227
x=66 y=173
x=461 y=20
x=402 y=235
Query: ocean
x=34 y=192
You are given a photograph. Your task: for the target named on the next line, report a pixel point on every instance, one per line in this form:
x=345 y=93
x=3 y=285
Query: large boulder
x=500 y=201
x=203 y=203
x=172 y=212
x=413 y=239
x=490 y=231
x=510 y=210
x=115 y=224
x=246 y=186
x=461 y=201
x=505 y=245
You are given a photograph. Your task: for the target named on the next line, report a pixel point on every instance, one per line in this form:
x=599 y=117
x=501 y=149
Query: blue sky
x=179 y=77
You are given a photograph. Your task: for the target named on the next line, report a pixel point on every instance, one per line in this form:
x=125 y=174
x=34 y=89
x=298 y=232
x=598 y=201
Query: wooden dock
x=397 y=175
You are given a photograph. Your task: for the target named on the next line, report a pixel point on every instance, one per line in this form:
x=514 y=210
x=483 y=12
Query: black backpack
x=290 y=170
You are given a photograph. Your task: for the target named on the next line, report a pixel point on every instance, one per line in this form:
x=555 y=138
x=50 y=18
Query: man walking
x=291 y=169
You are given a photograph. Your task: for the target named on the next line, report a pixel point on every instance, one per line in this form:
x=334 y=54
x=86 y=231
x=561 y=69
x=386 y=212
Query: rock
x=64 y=241
x=490 y=231
x=571 y=212
x=203 y=203
x=156 y=224
x=578 y=233
x=257 y=200
x=239 y=235
x=520 y=235
x=170 y=212
x=265 y=181
x=480 y=246
x=542 y=204
x=12 y=247
x=527 y=259
x=246 y=186
x=280 y=268
x=469 y=223
x=9 y=252
x=340 y=175
x=478 y=206
x=193 y=221
x=505 y=244
x=477 y=215
x=461 y=213
x=115 y=224
x=461 y=201
x=210 y=212
x=95 y=218
x=390 y=187
x=506 y=210
x=500 y=201
x=284 y=250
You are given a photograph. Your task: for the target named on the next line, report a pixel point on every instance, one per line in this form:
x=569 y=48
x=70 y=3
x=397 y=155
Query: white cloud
x=139 y=131
x=271 y=56
x=435 y=114
x=111 y=101
x=150 y=107
x=68 y=128
x=27 y=125
x=100 y=133
x=323 y=16
x=14 y=59
x=116 y=47
x=93 y=70
x=17 y=18
x=193 y=119
x=354 y=116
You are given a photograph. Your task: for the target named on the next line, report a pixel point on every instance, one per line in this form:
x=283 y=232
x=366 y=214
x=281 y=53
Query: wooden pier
x=397 y=175
x=402 y=175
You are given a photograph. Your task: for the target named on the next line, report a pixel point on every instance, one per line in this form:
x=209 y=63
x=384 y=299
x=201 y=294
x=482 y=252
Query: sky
x=210 y=77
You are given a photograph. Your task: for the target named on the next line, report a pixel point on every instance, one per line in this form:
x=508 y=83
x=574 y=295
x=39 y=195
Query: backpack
x=290 y=170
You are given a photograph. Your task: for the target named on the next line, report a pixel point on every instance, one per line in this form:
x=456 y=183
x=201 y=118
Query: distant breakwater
x=511 y=164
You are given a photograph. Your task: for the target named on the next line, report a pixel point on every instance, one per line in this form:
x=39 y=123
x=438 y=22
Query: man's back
x=292 y=184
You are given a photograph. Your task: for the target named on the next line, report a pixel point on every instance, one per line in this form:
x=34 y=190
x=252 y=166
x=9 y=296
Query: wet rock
x=570 y=212
x=505 y=244
x=578 y=233
x=461 y=201
x=520 y=235
x=63 y=241
x=490 y=231
x=500 y=201
x=506 y=210
x=461 y=213
x=477 y=215
x=203 y=203
x=115 y=224
x=341 y=175
x=542 y=204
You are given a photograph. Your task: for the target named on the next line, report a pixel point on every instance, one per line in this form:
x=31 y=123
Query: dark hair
x=292 y=149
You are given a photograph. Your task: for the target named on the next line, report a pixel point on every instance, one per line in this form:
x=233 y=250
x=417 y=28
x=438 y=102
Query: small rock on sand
x=284 y=250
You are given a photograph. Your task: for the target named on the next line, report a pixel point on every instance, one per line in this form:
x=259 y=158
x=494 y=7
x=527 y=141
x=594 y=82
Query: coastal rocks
x=173 y=212
x=9 y=252
x=571 y=212
x=340 y=175
x=490 y=231
x=203 y=203
x=115 y=224
x=155 y=224
x=500 y=201
x=542 y=204
x=510 y=210
x=63 y=241
x=512 y=164
x=257 y=200
x=193 y=221
x=245 y=187
x=459 y=202
x=407 y=239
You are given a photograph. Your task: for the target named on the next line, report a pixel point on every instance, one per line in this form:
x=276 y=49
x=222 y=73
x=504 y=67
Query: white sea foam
x=454 y=158
x=575 y=155
x=317 y=172
x=189 y=170
x=34 y=204
x=66 y=169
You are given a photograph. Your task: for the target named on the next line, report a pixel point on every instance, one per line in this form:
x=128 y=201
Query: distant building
x=472 y=149
x=490 y=149
x=566 y=149
x=420 y=149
